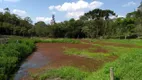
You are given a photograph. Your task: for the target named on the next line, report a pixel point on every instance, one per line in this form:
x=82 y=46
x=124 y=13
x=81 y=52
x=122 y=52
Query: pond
x=36 y=60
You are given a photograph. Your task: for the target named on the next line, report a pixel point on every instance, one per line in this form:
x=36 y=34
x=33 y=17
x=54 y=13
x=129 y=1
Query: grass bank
x=126 y=67
x=65 y=73
x=12 y=54
x=57 y=40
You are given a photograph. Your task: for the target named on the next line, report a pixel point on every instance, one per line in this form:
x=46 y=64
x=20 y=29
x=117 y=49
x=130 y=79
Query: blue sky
x=41 y=10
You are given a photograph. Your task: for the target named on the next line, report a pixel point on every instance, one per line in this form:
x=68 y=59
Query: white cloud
x=11 y=0
x=1 y=10
x=112 y=17
x=76 y=9
x=20 y=13
x=51 y=7
x=119 y=16
x=58 y=21
x=79 y=5
x=45 y=19
x=75 y=15
x=53 y=12
x=95 y=4
x=132 y=3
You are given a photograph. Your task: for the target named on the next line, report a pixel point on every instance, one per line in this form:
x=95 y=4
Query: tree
x=7 y=10
x=28 y=19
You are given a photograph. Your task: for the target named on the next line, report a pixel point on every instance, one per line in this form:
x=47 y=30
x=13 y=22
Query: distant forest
x=93 y=24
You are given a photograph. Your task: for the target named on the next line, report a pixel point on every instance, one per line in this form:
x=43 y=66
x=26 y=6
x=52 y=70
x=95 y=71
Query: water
x=36 y=60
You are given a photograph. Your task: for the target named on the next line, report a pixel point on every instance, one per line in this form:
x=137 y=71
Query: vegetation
x=93 y=24
x=127 y=41
x=11 y=55
x=126 y=67
x=86 y=53
x=58 y=40
x=67 y=73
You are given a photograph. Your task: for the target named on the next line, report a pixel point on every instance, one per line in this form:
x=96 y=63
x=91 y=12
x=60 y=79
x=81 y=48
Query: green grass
x=85 y=53
x=12 y=54
x=65 y=73
x=127 y=41
x=58 y=40
x=127 y=67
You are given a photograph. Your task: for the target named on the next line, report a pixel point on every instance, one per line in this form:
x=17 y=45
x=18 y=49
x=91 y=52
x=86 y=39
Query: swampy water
x=51 y=55
x=36 y=60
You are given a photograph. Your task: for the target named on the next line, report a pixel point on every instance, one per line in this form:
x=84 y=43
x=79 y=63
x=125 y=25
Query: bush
x=11 y=54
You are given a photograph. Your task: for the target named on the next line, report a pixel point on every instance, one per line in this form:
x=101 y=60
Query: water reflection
x=36 y=60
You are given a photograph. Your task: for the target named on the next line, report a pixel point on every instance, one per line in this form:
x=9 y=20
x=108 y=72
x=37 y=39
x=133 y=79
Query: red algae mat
x=51 y=55
x=55 y=54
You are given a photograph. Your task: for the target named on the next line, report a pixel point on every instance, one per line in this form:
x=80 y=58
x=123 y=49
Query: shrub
x=11 y=54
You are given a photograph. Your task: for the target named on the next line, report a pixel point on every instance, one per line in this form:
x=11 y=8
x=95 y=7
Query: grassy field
x=127 y=66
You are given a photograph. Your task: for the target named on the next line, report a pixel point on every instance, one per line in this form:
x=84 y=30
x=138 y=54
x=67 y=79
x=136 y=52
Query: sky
x=42 y=10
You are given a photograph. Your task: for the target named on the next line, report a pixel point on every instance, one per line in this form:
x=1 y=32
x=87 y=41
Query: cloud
x=76 y=9
x=20 y=13
x=119 y=16
x=132 y=3
x=74 y=6
x=11 y=0
x=58 y=21
x=1 y=10
x=44 y=19
x=75 y=15
x=53 y=12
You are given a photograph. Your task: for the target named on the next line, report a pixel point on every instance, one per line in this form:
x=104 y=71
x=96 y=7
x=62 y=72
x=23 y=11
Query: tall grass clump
x=11 y=55
x=65 y=73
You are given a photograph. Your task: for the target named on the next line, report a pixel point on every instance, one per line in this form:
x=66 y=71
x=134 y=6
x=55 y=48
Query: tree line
x=93 y=24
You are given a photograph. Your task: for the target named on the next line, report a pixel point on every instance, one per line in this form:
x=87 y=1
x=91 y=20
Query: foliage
x=127 y=67
x=12 y=54
x=12 y=24
x=65 y=73
x=93 y=24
